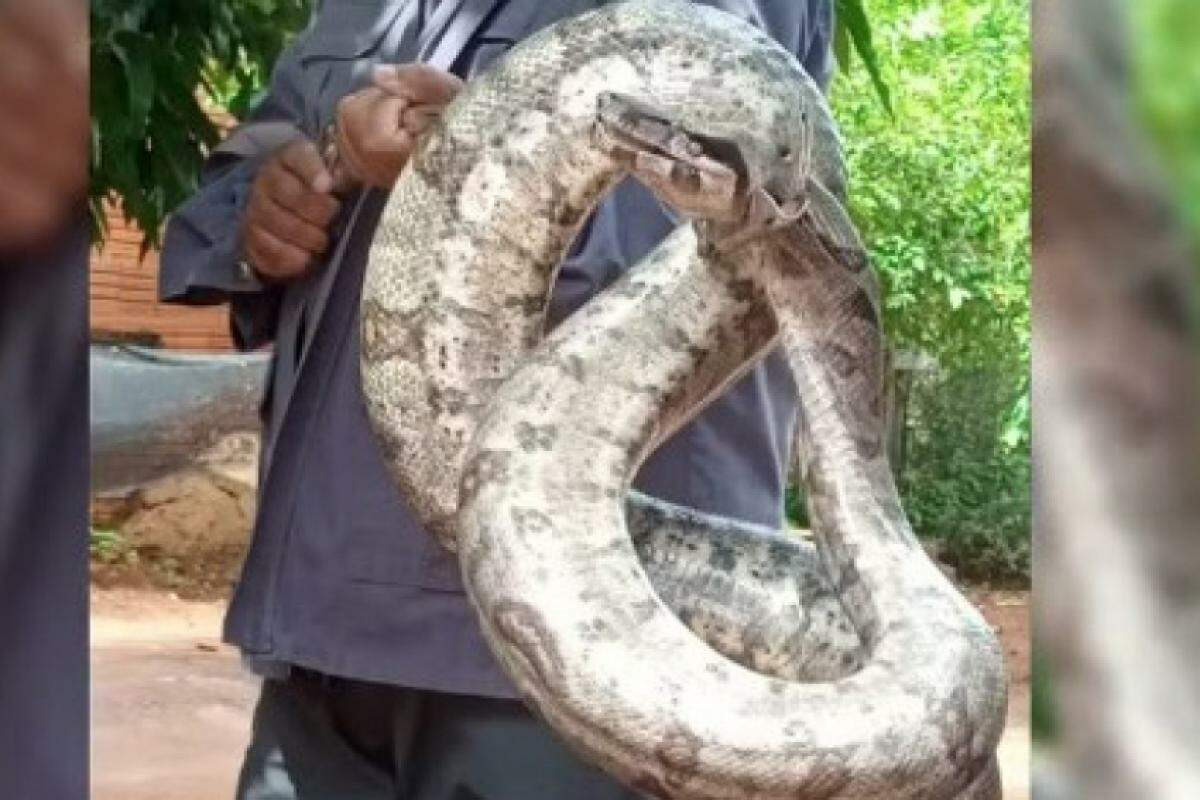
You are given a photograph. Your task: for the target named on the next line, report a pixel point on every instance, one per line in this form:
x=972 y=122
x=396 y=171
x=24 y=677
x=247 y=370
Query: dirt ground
x=171 y=707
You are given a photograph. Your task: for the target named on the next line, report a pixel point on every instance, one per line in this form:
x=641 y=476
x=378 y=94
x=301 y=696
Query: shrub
x=941 y=194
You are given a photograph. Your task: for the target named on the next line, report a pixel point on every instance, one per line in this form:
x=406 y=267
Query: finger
x=355 y=120
x=287 y=190
x=384 y=170
x=350 y=112
x=421 y=84
x=318 y=209
x=302 y=159
x=381 y=124
x=274 y=257
x=372 y=138
x=349 y=159
x=418 y=119
x=286 y=225
x=386 y=144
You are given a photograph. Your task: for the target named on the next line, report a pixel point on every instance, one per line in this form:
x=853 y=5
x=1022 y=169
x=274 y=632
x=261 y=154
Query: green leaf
x=841 y=45
x=852 y=22
x=150 y=58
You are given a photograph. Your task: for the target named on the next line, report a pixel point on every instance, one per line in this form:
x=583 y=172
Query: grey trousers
x=322 y=738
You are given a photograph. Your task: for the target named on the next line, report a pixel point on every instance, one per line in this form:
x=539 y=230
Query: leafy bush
x=941 y=193
x=157 y=65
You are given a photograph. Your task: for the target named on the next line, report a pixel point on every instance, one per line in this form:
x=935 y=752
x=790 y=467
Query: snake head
x=702 y=176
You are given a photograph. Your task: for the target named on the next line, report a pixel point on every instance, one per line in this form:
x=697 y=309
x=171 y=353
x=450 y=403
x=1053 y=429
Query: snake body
x=848 y=670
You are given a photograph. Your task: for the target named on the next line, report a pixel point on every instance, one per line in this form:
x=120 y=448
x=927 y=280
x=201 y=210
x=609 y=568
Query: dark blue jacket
x=340 y=578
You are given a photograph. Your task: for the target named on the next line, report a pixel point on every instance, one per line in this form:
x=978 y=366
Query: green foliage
x=966 y=489
x=941 y=193
x=156 y=67
x=1167 y=88
x=107 y=546
x=852 y=34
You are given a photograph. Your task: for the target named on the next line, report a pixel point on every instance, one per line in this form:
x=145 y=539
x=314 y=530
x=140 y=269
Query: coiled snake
x=690 y=657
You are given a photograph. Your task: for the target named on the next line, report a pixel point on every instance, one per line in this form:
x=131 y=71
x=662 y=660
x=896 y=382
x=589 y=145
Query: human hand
x=43 y=117
x=287 y=219
x=378 y=127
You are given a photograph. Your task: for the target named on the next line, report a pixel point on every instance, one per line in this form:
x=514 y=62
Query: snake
x=690 y=656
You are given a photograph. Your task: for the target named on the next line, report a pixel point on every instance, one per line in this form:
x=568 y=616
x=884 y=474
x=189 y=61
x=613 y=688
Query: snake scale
x=691 y=657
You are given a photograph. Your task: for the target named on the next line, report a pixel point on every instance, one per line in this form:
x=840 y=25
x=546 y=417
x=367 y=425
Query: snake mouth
x=701 y=176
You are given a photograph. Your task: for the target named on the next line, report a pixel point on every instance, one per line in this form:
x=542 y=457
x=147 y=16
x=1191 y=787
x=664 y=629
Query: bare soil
x=186 y=533
x=172 y=706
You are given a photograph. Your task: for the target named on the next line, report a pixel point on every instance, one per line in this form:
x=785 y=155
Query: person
x=376 y=680
x=43 y=400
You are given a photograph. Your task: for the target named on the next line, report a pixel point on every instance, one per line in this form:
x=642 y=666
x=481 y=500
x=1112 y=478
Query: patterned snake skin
x=691 y=657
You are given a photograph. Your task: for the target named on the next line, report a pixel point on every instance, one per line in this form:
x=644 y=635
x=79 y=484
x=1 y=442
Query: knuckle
x=319 y=241
x=271 y=249
x=370 y=144
x=296 y=158
x=306 y=237
x=324 y=210
x=287 y=193
x=274 y=184
x=298 y=260
x=283 y=227
x=254 y=239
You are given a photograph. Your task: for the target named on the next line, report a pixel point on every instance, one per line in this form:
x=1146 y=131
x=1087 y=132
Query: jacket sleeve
x=816 y=51
x=201 y=262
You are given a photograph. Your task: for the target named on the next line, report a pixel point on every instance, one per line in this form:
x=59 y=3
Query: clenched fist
x=378 y=127
x=286 y=229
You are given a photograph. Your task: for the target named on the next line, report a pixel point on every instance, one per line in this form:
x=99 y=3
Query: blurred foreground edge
x=1117 y=481
x=43 y=520
x=44 y=239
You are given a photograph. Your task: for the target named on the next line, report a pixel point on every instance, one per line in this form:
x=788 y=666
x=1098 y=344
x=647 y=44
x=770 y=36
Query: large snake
x=848 y=670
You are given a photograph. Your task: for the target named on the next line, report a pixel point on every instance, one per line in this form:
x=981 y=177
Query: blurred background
x=43 y=399
x=1117 y=440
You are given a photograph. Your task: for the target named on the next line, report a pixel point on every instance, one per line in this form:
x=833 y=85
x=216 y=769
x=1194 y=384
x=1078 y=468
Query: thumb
x=419 y=84
x=388 y=78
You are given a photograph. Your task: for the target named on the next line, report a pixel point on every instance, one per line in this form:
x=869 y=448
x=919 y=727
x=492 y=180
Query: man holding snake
x=377 y=683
